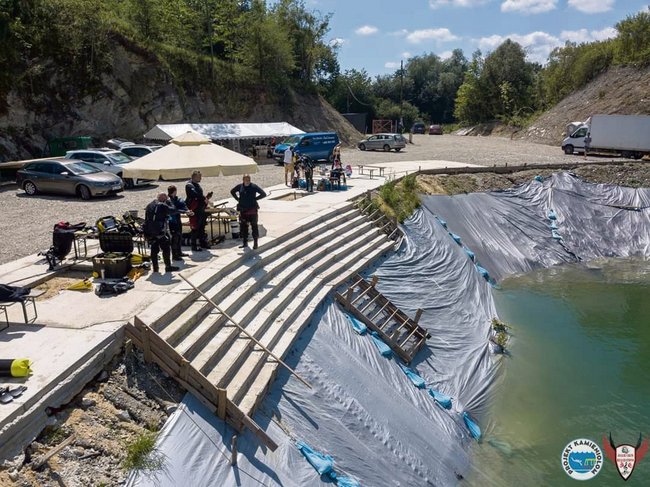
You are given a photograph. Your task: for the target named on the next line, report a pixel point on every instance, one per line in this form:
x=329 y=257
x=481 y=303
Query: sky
x=376 y=34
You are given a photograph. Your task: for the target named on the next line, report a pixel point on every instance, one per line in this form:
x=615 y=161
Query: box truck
x=627 y=135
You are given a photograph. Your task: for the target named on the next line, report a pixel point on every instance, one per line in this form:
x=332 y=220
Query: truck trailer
x=626 y=135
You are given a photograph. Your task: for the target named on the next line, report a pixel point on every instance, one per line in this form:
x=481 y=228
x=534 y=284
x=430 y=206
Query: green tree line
x=503 y=85
x=234 y=42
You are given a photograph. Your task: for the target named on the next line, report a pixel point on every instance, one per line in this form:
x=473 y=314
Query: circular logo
x=582 y=459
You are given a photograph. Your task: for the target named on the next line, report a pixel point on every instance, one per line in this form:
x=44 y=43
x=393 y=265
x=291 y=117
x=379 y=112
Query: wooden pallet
x=158 y=350
x=401 y=333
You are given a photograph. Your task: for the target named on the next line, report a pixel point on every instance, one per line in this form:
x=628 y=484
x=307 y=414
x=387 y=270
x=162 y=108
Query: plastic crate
x=114 y=265
x=116 y=242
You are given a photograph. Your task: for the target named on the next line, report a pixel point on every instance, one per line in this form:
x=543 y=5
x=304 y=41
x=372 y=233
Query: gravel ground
x=26 y=222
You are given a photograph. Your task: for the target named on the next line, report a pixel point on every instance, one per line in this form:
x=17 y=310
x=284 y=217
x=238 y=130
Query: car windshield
x=80 y=168
x=291 y=140
x=119 y=158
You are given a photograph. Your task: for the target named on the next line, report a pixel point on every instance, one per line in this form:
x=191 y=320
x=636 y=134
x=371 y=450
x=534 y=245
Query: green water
x=579 y=368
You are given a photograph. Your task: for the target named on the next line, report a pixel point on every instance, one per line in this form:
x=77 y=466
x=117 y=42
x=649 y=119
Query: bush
x=140 y=453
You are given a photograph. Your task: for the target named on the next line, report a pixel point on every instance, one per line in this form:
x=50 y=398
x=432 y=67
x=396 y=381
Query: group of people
x=296 y=165
x=163 y=228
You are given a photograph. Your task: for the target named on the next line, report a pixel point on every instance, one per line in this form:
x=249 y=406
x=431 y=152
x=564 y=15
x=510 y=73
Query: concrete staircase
x=273 y=293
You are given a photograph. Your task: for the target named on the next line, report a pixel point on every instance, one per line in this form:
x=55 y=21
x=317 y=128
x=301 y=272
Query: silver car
x=107 y=160
x=67 y=177
x=385 y=142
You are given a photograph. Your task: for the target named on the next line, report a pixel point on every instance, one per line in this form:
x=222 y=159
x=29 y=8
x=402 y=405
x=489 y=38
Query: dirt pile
x=621 y=90
x=634 y=175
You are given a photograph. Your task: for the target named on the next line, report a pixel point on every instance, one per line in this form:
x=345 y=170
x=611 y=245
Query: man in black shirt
x=197 y=202
x=156 y=231
x=247 y=195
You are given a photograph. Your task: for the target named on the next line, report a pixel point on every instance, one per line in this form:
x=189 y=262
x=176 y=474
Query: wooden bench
x=30 y=298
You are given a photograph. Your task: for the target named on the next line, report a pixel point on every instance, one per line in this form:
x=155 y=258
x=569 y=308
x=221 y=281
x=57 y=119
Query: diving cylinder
x=234 y=228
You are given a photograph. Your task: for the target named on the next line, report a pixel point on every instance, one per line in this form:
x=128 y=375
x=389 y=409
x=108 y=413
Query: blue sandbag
x=551 y=215
x=324 y=464
x=413 y=375
x=358 y=326
x=554 y=225
x=471 y=254
x=455 y=237
x=441 y=399
x=347 y=482
x=381 y=345
x=539 y=179
x=483 y=271
x=472 y=426
x=556 y=235
x=442 y=222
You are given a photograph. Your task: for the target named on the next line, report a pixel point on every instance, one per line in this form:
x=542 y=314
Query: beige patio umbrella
x=186 y=153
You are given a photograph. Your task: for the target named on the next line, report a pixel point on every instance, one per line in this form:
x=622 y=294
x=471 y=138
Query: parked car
x=107 y=160
x=435 y=130
x=66 y=176
x=385 y=142
x=418 y=128
x=138 y=150
x=318 y=146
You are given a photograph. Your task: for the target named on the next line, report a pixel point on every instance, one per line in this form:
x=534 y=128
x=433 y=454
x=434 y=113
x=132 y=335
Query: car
x=418 y=128
x=138 y=150
x=318 y=146
x=435 y=130
x=385 y=142
x=107 y=160
x=67 y=176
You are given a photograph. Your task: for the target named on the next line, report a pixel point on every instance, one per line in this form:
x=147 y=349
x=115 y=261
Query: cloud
x=440 y=35
x=592 y=6
x=434 y=4
x=366 y=30
x=391 y=65
x=528 y=6
x=445 y=55
x=407 y=55
x=399 y=33
x=583 y=35
x=538 y=45
x=337 y=42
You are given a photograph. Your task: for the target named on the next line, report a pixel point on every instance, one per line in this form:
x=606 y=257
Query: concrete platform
x=76 y=333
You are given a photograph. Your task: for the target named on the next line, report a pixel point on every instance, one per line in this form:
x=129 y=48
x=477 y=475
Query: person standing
x=156 y=231
x=175 y=226
x=247 y=195
x=288 y=165
x=197 y=202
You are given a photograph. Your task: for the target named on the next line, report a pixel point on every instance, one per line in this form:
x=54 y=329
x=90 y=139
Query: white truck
x=627 y=135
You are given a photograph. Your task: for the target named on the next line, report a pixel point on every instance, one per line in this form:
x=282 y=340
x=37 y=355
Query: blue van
x=317 y=145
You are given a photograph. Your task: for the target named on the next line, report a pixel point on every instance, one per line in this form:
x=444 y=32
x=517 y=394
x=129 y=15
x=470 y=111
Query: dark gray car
x=67 y=177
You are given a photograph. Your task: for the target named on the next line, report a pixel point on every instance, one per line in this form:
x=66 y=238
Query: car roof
x=141 y=146
x=103 y=150
x=387 y=133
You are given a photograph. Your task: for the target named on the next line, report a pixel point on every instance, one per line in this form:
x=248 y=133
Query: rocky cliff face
x=133 y=97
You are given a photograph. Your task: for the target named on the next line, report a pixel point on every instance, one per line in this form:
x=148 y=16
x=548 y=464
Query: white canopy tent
x=223 y=131
x=186 y=153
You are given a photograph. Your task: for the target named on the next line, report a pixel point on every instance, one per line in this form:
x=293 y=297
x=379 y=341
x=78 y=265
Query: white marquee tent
x=223 y=131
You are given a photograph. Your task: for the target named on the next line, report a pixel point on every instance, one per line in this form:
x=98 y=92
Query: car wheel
x=568 y=149
x=362 y=146
x=398 y=149
x=30 y=188
x=84 y=192
x=128 y=183
x=637 y=155
x=386 y=147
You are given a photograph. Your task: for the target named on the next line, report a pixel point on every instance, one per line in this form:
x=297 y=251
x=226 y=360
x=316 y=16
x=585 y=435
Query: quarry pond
x=577 y=369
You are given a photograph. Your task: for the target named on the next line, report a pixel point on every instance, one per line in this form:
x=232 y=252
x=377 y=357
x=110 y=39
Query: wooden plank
x=382 y=309
x=221 y=403
x=362 y=294
x=369 y=303
x=53 y=452
x=408 y=337
x=233 y=450
x=418 y=315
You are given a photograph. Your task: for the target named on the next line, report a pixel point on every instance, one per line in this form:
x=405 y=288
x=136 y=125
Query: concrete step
x=174 y=330
x=249 y=398
x=229 y=373
x=166 y=309
x=252 y=309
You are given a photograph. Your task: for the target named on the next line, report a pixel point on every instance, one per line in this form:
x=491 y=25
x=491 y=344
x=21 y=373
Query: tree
x=633 y=43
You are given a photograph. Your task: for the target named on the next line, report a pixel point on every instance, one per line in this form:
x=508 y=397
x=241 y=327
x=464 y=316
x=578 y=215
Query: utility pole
x=401 y=91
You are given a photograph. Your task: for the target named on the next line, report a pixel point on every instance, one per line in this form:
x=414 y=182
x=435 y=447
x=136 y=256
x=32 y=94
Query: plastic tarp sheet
x=364 y=411
x=224 y=131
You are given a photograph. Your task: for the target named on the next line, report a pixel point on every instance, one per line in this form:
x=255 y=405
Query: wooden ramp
x=159 y=351
x=401 y=333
